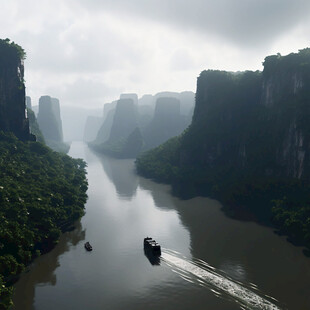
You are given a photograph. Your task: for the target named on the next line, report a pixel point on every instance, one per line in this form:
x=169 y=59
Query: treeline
x=41 y=194
x=281 y=202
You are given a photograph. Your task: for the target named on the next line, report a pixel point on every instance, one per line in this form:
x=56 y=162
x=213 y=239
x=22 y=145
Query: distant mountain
x=132 y=96
x=124 y=139
x=28 y=102
x=157 y=117
x=49 y=118
x=167 y=122
x=125 y=120
x=50 y=123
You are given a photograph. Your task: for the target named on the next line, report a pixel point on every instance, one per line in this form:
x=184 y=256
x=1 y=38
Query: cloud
x=87 y=52
x=246 y=22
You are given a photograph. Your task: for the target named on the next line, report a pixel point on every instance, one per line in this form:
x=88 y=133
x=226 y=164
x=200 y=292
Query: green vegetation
x=10 y=52
x=248 y=145
x=41 y=194
x=159 y=163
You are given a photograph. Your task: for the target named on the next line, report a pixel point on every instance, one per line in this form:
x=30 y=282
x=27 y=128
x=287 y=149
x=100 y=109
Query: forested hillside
x=41 y=193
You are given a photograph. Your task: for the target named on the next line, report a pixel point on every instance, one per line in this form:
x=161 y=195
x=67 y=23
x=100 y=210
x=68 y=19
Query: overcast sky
x=87 y=52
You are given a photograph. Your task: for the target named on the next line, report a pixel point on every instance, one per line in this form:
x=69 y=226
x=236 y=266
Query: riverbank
x=42 y=193
x=276 y=202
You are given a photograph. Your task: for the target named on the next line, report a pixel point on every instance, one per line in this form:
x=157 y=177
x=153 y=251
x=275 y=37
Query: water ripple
x=207 y=276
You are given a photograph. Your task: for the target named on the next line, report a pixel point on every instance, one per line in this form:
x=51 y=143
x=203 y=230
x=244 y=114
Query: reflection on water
x=123 y=178
x=43 y=269
x=160 y=193
x=121 y=210
x=153 y=259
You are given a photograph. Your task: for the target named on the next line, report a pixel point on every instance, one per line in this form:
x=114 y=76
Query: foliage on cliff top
x=10 y=52
x=41 y=193
x=288 y=63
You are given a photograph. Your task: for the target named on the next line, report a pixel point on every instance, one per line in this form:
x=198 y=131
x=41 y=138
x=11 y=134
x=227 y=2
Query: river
x=209 y=261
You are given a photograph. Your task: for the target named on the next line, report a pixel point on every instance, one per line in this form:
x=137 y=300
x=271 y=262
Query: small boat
x=88 y=247
x=152 y=246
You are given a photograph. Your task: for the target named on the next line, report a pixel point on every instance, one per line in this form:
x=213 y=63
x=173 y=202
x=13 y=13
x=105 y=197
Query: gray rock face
x=49 y=119
x=28 y=102
x=144 y=122
x=105 y=129
x=166 y=123
x=12 y=93
x=256 y=123
x=186 y=98
x=124 y=121
x=133 y=97
x=147 y=100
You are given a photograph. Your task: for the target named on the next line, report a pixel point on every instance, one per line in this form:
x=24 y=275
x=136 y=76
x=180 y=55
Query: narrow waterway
x=209 y=261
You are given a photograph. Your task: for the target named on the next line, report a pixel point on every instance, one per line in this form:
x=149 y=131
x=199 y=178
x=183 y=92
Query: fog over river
x=209 y=261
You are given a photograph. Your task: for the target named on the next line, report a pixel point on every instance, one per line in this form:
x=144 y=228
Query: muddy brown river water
x=209 y=261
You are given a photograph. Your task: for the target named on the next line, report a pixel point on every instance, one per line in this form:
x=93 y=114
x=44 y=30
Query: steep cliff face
x=246 y=126
x=124 y=121
x=132 y=96
x=12 y=91
x=223 y=120
x=248 y=145
x=104 y=130
x=49 y=119
x=167 y=122
x=50 y=123
x=256 y=122
x=286 y=93
x=56 y=110
x=28 y=102
x=119 y=135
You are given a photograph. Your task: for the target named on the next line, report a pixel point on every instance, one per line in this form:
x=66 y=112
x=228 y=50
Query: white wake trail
x=239 y=293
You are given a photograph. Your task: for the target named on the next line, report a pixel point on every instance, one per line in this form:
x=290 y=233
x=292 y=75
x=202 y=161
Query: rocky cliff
x=167 y=122
x=248 y=145
x=50 y=123
x=256 y=122
x=49 y=118
x=12 y=91
x=28 y=102
x=286 y=93
x=132 y=96
x=124 y=121
x=246 y=126
x=119 y=135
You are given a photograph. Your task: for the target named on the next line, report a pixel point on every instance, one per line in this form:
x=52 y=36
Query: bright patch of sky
x=87 y=53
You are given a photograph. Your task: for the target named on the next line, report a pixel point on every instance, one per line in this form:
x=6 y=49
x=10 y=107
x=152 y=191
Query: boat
x=87 y=246
x=152 y=246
